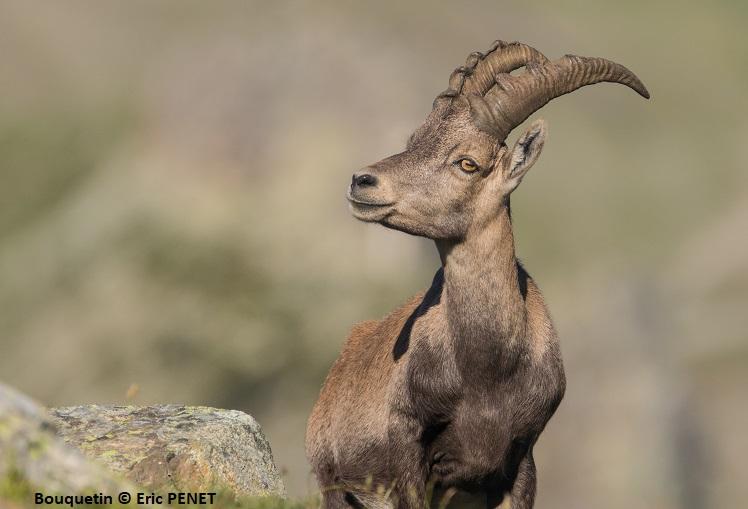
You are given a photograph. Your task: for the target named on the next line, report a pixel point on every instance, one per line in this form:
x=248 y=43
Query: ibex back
x=453 y=389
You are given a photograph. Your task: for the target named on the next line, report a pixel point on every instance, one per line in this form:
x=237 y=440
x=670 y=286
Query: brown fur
x=452 y=389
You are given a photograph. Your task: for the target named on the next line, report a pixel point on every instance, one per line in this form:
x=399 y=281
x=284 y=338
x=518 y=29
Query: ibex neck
x=484 y=302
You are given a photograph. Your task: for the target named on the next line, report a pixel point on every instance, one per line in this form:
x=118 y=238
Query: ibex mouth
x=369 y=211
x=354 y=201
x=368 y=203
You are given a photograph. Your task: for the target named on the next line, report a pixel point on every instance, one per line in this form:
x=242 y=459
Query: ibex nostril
x=364 y=180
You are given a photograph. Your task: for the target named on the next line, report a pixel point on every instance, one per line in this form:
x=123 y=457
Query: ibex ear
x=525 y=153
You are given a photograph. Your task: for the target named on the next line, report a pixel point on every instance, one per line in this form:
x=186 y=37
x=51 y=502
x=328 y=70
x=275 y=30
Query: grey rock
x=33 y=458
x=174 y=447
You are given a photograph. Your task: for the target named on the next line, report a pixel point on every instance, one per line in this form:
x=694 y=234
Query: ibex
x=453 y=388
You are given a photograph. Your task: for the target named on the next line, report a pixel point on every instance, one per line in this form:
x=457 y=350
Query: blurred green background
x=172 y=215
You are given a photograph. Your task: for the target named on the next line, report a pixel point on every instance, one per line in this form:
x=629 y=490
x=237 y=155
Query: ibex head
x=456 y=171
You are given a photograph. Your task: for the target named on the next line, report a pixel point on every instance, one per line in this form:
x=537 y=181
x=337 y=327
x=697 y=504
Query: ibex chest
x=432 y=380
x=437 y=376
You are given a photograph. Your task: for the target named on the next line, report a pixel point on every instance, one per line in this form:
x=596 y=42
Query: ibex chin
x=452 y=389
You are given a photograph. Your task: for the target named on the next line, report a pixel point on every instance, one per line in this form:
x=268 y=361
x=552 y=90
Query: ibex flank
x=451 y=390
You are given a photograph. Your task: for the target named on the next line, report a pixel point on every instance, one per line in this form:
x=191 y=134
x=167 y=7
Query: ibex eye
x=468 y=165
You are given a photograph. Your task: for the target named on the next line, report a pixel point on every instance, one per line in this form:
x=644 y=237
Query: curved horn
x=502 y=57
x=517 y=97
x=477 y=75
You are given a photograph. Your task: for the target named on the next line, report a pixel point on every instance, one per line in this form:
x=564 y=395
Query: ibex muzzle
x=453 y=388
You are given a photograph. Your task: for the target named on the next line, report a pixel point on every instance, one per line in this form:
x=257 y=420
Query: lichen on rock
x=174 y=447
x=33 y=458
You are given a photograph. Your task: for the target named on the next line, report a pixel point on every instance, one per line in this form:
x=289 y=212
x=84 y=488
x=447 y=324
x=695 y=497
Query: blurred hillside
x=172 y=215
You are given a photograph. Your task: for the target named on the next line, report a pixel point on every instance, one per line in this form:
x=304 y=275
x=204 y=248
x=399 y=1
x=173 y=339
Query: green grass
x=228 y=502
x=15 y=488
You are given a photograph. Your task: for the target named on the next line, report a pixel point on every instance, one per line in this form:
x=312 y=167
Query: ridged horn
x=502 y=57
x=514 y=98
x=477 y=75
